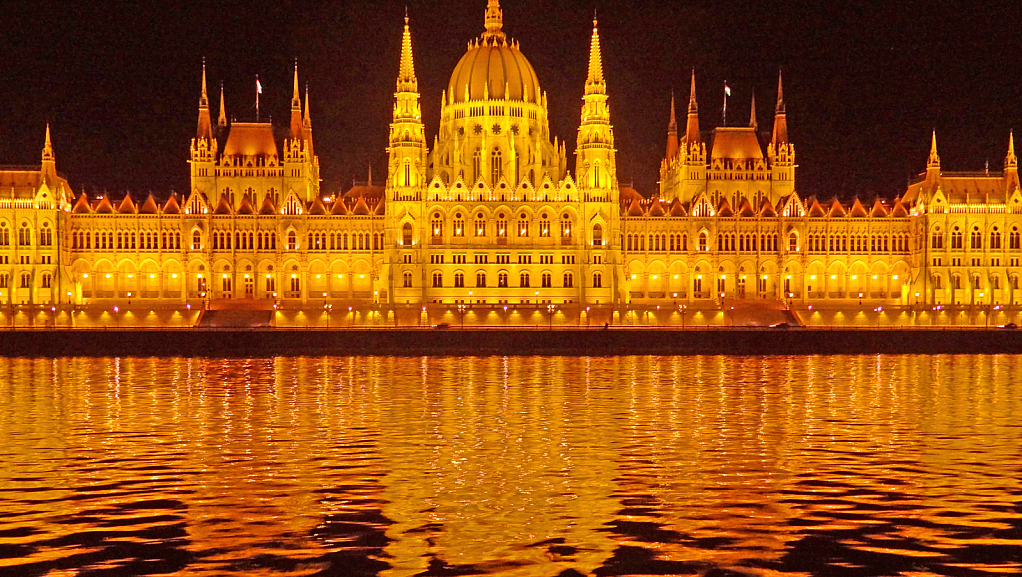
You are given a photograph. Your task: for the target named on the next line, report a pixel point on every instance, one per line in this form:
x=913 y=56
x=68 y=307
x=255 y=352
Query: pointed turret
x=780 y=120
x=49 y=166
x=307 y=123
x=934 y=160
x=672 y=133
x=1011 y=165
x=752 y=115
x=222 y=121
x=595 y=83
x=692 y=126
x=406 y=81
x=205 y=128
x=296 y=109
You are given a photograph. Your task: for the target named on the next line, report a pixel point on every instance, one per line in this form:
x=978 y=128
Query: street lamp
x=682 y=309
x=327 y=309
x=550 y=309
x=461 y=309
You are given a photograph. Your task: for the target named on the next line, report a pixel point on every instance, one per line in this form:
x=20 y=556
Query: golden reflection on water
x=512 y=466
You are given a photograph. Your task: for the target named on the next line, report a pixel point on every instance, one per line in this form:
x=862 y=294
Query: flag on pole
x=727 y=89
x=259 y=87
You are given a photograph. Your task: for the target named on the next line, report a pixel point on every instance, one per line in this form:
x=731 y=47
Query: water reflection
x=511 y=466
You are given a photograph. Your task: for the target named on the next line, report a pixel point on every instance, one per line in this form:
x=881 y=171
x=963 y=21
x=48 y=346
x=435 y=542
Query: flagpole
x=726 y=91
x=257 y=97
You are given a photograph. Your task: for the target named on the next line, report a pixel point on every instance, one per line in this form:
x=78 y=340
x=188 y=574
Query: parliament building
x=492 y=215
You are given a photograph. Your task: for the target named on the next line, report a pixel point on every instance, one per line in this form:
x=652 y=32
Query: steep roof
x=736 y=143
x=251 y=139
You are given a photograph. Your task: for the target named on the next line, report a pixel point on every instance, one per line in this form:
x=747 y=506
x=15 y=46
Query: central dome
x=489 y=69
x=492 y=66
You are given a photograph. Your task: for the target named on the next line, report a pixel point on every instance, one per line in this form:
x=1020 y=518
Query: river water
x=539 y=466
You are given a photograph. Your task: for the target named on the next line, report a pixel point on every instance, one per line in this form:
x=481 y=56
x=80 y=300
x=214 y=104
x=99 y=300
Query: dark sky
x=865 y=82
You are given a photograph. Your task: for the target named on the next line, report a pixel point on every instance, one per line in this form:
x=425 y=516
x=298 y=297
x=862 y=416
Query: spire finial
x=204 y=100
x=780 y=93
x=406 y=77
x=222 y=122
x=1011 y=161
x=752 y=117
x=934 y=160
x=494 y=21
x=673 y=125
x=308 y=118
x=296 y=101
x=48 y=146
x=692 y=106
x=595 y=79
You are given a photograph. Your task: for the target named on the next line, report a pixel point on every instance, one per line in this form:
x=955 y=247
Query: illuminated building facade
x=490 y=215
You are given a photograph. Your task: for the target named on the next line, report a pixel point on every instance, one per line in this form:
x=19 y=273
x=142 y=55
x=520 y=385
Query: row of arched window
x=975 y=240
x=524 y=280
x=857 y=243
x=45 y=280
x=747 y=242
x=25 y=235
x=339 y=241
x=976 y=282
x=142 y=240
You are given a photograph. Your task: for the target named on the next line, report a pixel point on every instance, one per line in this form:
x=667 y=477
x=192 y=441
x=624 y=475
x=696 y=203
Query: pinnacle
x=752 y=117
x=595 y=62
x=406 y=76
x=48 y=146
x=494 y=21
x=223 y=111
x=308 y=118
x=692 y=106
x=296 y=101
x=673 y=125
x=780 y=94
x=934 y=160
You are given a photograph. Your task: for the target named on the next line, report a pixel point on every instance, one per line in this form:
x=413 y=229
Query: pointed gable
x=361 y=208
x=223 y=207
x=677 y=209
x=899 y=210
x=635 y=209
x=816 y=211
x=878 y=210
x=82 y=205
x=104 y=206
x=171 y=206
x=380 y=207
x=267 y=206
x=836 y=208
x=725 y=208
x=127 y=206
x=246 y=206
x=339 y=208
x=657 y=209
x=149 y=206
x=746 y=209
x=318 y=208
x=858 y=211
x=767 y=210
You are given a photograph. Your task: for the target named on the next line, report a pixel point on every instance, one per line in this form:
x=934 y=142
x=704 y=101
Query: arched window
x=936 y=239
x=292 y=240
x=480 y=225
x=502 y=280
x=196 y=240
x=407 y=277
x=26 y=280
x=547 y=279
x=937 y=282
x=976 y=239
x=406 y=234
x=1015 y=240
x=438 y=280
x=437 y=226
x=459 y=280
x=481 y=279
x=523 y=280
x=5 y=234
x=956 y=239
x=793 y=242
x=597 y=280
x=496 y=167
x=995 y=239
x=544 y=225
x=47 y=279
x=597 y=234
x=24 y=235
x=476 y=165
x=46 y=236
x=408 y=173
x=568 y=280
x=523 y=225
x=703 y=242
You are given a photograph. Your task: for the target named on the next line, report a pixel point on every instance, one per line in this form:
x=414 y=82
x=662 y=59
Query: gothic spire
x=307 y=122
x=1011 y=161
x=595 y=83
x=780 y=136
x=752 y=116
x=406 y=81
x=692 y=126
x=672 y=133
x=205 y=126
x=934 y=160
x=222 y=121
x=296 y=108
x=48 y=146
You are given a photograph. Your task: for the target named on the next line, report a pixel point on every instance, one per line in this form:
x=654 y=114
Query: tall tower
x=1011 y=166
x=780 y=152
x=407 y=148
x=204 y=146
x=596 y=165
x=301 y=167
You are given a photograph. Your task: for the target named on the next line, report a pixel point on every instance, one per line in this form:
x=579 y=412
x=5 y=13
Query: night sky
x=864 y=82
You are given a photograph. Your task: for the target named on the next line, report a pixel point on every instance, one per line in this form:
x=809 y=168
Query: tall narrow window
x=406 y=234
x=597 y=235
x=408 y=173
x=477 y=162
x=496 y=167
